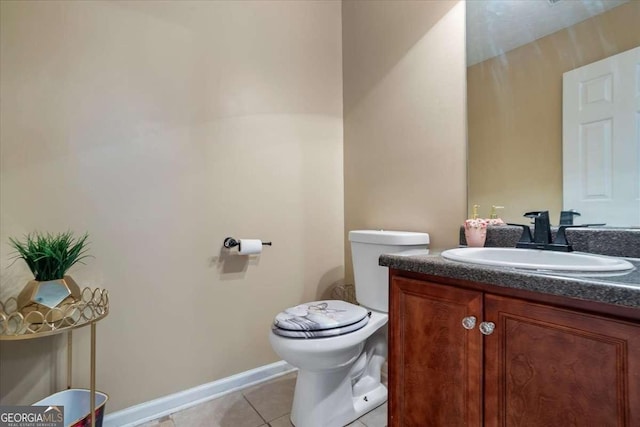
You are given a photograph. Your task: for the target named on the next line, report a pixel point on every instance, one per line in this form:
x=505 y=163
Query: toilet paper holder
x=230 y=242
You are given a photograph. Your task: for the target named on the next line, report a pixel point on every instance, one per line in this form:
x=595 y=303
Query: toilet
x=338 y=347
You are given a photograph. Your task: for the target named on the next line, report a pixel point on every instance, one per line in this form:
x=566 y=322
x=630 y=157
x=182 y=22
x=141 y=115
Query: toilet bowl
x=329 y=370
x=339 y=348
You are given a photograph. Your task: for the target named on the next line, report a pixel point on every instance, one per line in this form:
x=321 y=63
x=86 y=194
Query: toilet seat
x=320 y=319
x=321 y=333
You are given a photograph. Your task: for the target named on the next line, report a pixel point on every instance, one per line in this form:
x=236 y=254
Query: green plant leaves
x=50 y=256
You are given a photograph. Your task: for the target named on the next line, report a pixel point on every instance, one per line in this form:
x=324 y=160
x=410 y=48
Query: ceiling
x=498 y=26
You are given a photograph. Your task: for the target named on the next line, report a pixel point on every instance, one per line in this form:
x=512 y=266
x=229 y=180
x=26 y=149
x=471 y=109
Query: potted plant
x=49 y=257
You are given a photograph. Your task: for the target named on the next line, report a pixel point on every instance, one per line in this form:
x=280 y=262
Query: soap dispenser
x=475 y=229
x=493 y=216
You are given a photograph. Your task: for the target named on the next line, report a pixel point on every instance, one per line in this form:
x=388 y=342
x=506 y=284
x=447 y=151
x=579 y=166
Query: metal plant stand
x=92 y=307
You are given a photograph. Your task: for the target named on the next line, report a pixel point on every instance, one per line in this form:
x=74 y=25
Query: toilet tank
x=372 y=280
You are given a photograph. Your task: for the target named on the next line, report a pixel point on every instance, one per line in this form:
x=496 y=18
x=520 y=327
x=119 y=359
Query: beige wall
x=515 y=113
x=161 y=128
x=404 y=118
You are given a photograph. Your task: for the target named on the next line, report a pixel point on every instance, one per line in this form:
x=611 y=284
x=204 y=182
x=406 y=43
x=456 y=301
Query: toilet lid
x=321 y=333
x=320 y=315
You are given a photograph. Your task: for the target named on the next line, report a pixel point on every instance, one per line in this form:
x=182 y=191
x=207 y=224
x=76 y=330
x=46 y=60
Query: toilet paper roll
x=249 y=246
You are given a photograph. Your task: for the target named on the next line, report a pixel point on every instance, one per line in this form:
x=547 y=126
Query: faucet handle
x=561 y=236
x=525 y=237
x=566 y=217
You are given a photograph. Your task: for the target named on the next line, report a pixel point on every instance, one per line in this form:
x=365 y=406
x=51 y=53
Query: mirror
x=517 y=52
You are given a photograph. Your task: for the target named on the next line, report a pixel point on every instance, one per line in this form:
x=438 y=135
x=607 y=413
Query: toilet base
x=312 y=408
x=337 y=397
x=375 y=398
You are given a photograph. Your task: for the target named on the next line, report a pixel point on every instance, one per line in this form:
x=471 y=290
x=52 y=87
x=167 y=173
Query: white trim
x=157 y=408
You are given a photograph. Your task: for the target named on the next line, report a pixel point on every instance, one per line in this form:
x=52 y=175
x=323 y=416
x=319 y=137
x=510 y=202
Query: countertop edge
x=587 y=289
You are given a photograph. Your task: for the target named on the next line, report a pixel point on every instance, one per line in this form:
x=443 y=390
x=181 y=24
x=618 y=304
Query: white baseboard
x=166 y=405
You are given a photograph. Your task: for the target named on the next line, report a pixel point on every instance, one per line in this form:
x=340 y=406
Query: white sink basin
x=534 y=259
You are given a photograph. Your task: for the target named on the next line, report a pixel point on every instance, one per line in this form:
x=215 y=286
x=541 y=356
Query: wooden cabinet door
x=548 y=366
x=435 y=364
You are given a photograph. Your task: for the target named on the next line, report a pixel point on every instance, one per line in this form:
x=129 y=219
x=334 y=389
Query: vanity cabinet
x=542 y=364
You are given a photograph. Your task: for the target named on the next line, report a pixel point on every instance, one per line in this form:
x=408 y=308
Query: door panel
x=546 y=366
x=435 y=364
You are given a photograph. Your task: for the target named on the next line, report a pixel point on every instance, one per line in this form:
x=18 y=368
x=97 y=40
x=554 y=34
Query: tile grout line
x=254 y=408
x=166 y=418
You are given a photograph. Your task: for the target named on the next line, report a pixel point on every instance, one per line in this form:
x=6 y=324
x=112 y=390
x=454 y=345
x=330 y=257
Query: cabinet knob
x=487 y=327
x=469 y=322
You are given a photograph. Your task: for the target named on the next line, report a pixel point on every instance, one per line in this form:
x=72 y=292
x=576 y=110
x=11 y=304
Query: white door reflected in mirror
x=601 y=140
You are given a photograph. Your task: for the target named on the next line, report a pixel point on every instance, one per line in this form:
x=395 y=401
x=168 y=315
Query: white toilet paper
x=249 y=246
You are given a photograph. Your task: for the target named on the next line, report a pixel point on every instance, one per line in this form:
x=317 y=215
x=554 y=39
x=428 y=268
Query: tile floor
x=264 y=405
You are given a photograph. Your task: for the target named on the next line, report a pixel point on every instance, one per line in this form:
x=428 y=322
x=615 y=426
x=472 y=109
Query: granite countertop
x=623 y=290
